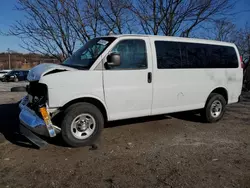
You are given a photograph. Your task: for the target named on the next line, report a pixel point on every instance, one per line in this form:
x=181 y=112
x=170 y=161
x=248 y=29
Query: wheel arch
x=92 y=100
x=219 y=90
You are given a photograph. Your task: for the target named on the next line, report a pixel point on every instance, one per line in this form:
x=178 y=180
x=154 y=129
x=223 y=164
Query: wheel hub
x=216 y=109
x=83 y=126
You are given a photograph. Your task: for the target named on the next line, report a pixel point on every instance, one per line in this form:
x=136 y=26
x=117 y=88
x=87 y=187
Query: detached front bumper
x=30 y=120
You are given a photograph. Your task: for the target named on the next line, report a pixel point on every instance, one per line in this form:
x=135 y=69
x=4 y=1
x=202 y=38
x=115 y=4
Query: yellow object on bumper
x=47 y=120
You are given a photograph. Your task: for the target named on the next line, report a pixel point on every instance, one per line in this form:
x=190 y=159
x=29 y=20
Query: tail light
x=241 y=62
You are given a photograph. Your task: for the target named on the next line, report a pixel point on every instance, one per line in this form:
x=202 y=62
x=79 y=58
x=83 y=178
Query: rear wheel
x=214 y=108
x=82 y=124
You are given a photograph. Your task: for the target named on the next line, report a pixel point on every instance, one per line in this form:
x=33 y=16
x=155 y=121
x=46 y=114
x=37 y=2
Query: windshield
x=10 y=73
x=85 y=57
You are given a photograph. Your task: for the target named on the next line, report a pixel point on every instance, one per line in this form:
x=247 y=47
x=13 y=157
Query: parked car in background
x=3 y=72
x=15 y=75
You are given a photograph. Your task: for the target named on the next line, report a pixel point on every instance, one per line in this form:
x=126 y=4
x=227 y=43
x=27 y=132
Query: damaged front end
x=34 y=113
x=35 y=116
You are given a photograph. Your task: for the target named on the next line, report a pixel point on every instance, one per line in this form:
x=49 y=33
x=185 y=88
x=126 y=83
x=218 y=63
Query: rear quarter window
x=222 y=57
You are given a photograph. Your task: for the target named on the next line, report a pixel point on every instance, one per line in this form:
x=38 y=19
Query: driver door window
x=133 y=54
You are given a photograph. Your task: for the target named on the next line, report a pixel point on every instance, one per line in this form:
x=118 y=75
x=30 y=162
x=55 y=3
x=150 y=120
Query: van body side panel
x=234 y=81
x=188 y=89
x=180 y=90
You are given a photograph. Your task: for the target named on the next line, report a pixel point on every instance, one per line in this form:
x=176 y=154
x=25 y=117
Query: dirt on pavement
x=176 y=150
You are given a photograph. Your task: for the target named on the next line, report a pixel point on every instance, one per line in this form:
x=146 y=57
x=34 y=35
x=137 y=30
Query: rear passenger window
x=168 y=55
x=194 y=55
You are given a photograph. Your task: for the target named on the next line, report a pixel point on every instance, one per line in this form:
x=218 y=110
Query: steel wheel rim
x=216 y=109
x=83 y=126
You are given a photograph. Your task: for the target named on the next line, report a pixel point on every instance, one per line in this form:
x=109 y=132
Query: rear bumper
x=239 y=99
x=30 y=120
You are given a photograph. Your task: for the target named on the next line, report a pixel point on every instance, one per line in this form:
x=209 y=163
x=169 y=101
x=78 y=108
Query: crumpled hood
x=40 y=70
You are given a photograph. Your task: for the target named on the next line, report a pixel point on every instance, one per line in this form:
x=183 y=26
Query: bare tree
x=91 y=18
x=224 y=30
x=83 y=18
x=55 y=26
x=115 y=16
x=150 y=15
x=221 y=30
x=45 y=29
x=177 y=17
x=242 y=41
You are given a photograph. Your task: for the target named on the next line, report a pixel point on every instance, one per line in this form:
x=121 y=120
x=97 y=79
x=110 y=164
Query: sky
x=8 y=16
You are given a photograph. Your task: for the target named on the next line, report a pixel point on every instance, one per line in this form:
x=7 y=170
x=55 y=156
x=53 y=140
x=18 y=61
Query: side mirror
x=113 y=59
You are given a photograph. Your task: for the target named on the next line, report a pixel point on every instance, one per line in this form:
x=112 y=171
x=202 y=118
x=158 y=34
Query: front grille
x=37 y=89
x=38 y=92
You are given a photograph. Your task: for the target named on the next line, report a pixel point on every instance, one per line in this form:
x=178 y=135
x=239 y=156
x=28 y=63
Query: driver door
x=128 y=87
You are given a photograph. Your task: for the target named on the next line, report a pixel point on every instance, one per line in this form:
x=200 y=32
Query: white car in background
x=3 y=72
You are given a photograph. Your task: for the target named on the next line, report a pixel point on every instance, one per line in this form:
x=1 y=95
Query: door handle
x=149 y=77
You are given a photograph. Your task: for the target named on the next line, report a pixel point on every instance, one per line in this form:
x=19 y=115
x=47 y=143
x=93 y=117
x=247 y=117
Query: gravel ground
x=174 y=150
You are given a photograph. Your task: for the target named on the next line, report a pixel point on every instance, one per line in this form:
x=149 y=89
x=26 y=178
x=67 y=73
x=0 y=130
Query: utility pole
x=9 y=58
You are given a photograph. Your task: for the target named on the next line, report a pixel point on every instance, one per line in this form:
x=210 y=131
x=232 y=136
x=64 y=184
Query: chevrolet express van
x=126 y=76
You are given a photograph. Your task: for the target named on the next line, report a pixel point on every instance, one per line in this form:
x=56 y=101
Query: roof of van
x=172 y=38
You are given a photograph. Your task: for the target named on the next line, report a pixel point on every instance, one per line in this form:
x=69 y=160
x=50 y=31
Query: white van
x=125 y=76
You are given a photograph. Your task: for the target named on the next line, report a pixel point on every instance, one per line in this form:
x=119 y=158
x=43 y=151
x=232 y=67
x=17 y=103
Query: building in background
x=24 y=61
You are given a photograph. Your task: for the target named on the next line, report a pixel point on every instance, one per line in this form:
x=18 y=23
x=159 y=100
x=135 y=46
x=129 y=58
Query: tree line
x=59 y=27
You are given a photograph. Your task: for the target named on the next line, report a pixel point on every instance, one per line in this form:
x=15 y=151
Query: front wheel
x=16 y=79
x=214 y=108
x=82 y=124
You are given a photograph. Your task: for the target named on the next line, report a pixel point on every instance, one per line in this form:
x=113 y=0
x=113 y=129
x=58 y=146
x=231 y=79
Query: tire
x=18 y=89
x=16 y=79
x=214 y=99
x=83 y=110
